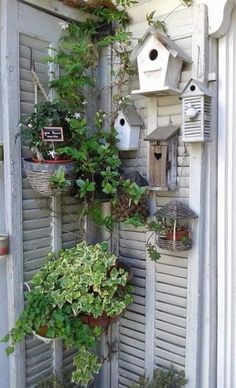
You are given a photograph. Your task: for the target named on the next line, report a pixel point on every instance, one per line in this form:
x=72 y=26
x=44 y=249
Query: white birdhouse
x=128 y=124
x=196 y=112
x=159 y=62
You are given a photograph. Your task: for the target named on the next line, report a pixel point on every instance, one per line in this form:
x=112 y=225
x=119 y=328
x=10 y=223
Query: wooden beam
x=60 y=9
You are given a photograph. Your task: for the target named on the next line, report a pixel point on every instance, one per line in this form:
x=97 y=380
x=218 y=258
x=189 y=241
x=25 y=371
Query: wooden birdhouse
x=196 y=112
x=163 y=158
x=128 y=124
x=159 y=62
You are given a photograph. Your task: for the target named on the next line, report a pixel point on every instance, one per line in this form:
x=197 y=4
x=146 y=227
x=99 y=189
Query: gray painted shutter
x=36 y=211
x=132 y=325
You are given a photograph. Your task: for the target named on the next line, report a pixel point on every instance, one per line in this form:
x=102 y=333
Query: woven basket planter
x=171 y=245
x=39 y=175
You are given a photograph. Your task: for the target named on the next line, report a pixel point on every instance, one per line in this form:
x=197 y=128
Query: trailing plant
x=162 y=379
x=81 y=280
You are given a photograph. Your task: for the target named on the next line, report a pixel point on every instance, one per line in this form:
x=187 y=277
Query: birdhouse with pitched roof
x=128 y=124
x=163 y=158
x=159 y=61
x=196 y=112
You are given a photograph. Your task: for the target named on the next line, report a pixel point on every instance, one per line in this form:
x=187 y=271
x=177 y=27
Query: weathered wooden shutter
x=170 y=311
x=37 y=230
x=132 y=251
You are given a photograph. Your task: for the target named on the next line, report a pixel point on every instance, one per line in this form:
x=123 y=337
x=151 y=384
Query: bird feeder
x=128 y=124
x=3 y=244
x=159 y=61
x=176 y=231
x=163 y=158
x=196 y=112
x=1 y=152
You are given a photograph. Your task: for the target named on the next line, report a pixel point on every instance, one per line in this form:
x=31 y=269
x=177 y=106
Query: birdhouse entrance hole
x=122 y=122
x=153 y=54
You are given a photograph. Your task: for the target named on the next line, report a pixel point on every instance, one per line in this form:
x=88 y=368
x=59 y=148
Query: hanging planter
x=1 y=152
x=175 y=232
x=3 y=244
x=40 y=176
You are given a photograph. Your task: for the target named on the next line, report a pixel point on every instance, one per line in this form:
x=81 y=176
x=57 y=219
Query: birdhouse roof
x=176 y=210
x=171 y=46
x=201 y=89
x=162 y=133
x=132 y=115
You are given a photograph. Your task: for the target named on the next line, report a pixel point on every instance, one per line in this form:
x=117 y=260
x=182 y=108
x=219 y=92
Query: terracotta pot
x=102 y=321
x=3 y=244
x=52 y=161
x=178 y=235
x=42 y=331
x=1 y=152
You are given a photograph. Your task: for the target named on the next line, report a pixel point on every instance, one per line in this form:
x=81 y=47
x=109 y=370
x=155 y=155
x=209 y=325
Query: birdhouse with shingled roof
x=159 y=61
x=163 y=158
x=128 y=124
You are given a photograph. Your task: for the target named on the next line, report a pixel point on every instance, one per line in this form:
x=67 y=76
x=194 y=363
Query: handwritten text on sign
x=52 y=134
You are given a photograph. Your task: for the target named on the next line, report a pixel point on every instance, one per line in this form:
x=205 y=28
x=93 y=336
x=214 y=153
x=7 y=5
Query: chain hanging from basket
x=175 y=232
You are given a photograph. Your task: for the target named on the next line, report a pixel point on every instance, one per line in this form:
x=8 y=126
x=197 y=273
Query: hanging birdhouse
x=196 y=112
x=159 y=61
x=128 y=124
x=163 y=157
x=176 y=229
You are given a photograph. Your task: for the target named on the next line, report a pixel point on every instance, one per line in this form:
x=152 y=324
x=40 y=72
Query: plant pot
x=3 y=244
x=179 y=235
x=102 y=321
x=1 y=152
x=39 y=175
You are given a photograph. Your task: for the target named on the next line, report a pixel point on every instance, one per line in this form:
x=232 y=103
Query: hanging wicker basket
x=171 y=245
x=39 y=176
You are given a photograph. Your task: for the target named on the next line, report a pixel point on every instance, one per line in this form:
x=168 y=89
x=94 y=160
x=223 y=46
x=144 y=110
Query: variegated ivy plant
x=77 y=281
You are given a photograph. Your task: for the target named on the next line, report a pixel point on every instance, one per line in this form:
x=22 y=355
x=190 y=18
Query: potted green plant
x=79 y=282
x=47 y=131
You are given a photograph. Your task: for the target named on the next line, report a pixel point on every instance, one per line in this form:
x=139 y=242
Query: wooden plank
x=171 y=270
x=130 y=324
x=134 y=351
x=172 y=280
x=170 y=328
x=171 y=309
x=171 y=299
x=169 y=318
x=169 y=347
x=169 y=289
x=172 y=358
x=169 y=338
x=131 y=367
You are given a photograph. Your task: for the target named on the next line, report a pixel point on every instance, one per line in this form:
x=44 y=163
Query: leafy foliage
x=80 y=280
x=163 y=379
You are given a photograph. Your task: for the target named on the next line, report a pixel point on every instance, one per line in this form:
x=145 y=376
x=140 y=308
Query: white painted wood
x=201 y=270
x=226 y=371
x=59 y=9
x=12 y=172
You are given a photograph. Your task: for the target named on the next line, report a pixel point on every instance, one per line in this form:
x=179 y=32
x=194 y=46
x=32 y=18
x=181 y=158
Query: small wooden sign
x=52 y=134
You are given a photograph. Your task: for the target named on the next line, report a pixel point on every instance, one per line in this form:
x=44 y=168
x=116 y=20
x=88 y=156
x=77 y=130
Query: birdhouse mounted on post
x=163 y=158
x=159 y=62
x=128 y=124
x=196 y=112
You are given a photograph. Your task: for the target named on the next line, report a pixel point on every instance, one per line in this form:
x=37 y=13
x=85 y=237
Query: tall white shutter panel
x=36 y=210
x=132 y=325
x=171 y=310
